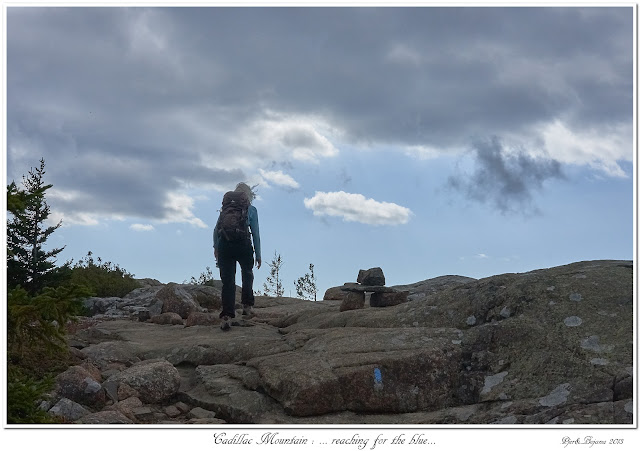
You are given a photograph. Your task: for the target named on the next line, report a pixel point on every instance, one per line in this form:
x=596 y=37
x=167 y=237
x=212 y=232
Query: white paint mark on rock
x=592 y=343
x=572 y=321
x=599 y=361
x=603 y=313
x=492 y=381
x=557 y=396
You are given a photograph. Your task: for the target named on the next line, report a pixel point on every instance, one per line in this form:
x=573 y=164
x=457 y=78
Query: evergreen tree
x=306 y=285
x=38 y=309
x=273 y=285
x=28 y=264
x=16 y=199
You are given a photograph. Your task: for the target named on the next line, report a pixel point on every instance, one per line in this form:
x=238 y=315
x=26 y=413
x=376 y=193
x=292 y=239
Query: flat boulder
x=109 y=352
x=338 y=293
x=368 y=289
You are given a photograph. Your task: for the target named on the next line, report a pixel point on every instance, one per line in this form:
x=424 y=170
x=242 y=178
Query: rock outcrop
x=552 y=346
x=425 y=288
x=154 y=299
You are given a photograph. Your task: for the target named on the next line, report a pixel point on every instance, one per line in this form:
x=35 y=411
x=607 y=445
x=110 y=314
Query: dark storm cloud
x=170 y=96
x=507 y=181
x=343 y=61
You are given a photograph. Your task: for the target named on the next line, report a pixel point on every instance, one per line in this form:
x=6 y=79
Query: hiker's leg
x=246 y=267
x=227 y=264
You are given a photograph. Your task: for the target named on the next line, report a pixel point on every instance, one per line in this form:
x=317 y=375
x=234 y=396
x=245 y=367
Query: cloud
x=357 y=208
x=279 y=178
x=84 y=219
x=601 y=149
x=423 y=152
x=179 y=208
x=505 y=179
x=401 y=53
x=128 y=105
x=286 y=138
x=142 y=227
x=479 y=256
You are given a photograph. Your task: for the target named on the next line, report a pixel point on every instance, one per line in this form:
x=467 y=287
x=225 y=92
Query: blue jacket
x=252 y=220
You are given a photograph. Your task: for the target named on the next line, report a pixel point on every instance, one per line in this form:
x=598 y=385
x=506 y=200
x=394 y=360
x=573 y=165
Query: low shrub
x=104 y=279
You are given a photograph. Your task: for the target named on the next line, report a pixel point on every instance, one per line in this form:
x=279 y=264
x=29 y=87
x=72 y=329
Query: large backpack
x=232 y=223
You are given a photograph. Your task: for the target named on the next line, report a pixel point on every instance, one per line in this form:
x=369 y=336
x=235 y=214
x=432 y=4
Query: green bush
x=36 y=347
x=38 y=322
x=205 y=278
x=24 y=394
x=104 y=279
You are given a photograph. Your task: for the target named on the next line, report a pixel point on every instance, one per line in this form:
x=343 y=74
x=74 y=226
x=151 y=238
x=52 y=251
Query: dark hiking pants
x=229 y=253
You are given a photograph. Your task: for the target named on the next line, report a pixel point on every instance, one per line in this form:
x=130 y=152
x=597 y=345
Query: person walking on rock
x=236 y=226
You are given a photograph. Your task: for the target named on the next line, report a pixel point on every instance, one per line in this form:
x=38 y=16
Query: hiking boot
x=247 y=310
x=226 y=323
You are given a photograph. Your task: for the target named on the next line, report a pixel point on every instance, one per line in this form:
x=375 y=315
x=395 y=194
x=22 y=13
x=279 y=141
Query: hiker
x=237 y=223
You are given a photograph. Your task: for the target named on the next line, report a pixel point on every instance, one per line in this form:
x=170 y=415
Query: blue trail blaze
x=377 y=376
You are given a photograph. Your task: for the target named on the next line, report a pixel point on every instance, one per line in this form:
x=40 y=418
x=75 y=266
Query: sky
x=427 y=141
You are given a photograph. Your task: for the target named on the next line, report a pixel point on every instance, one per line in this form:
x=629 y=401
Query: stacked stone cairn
x=371 y=281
